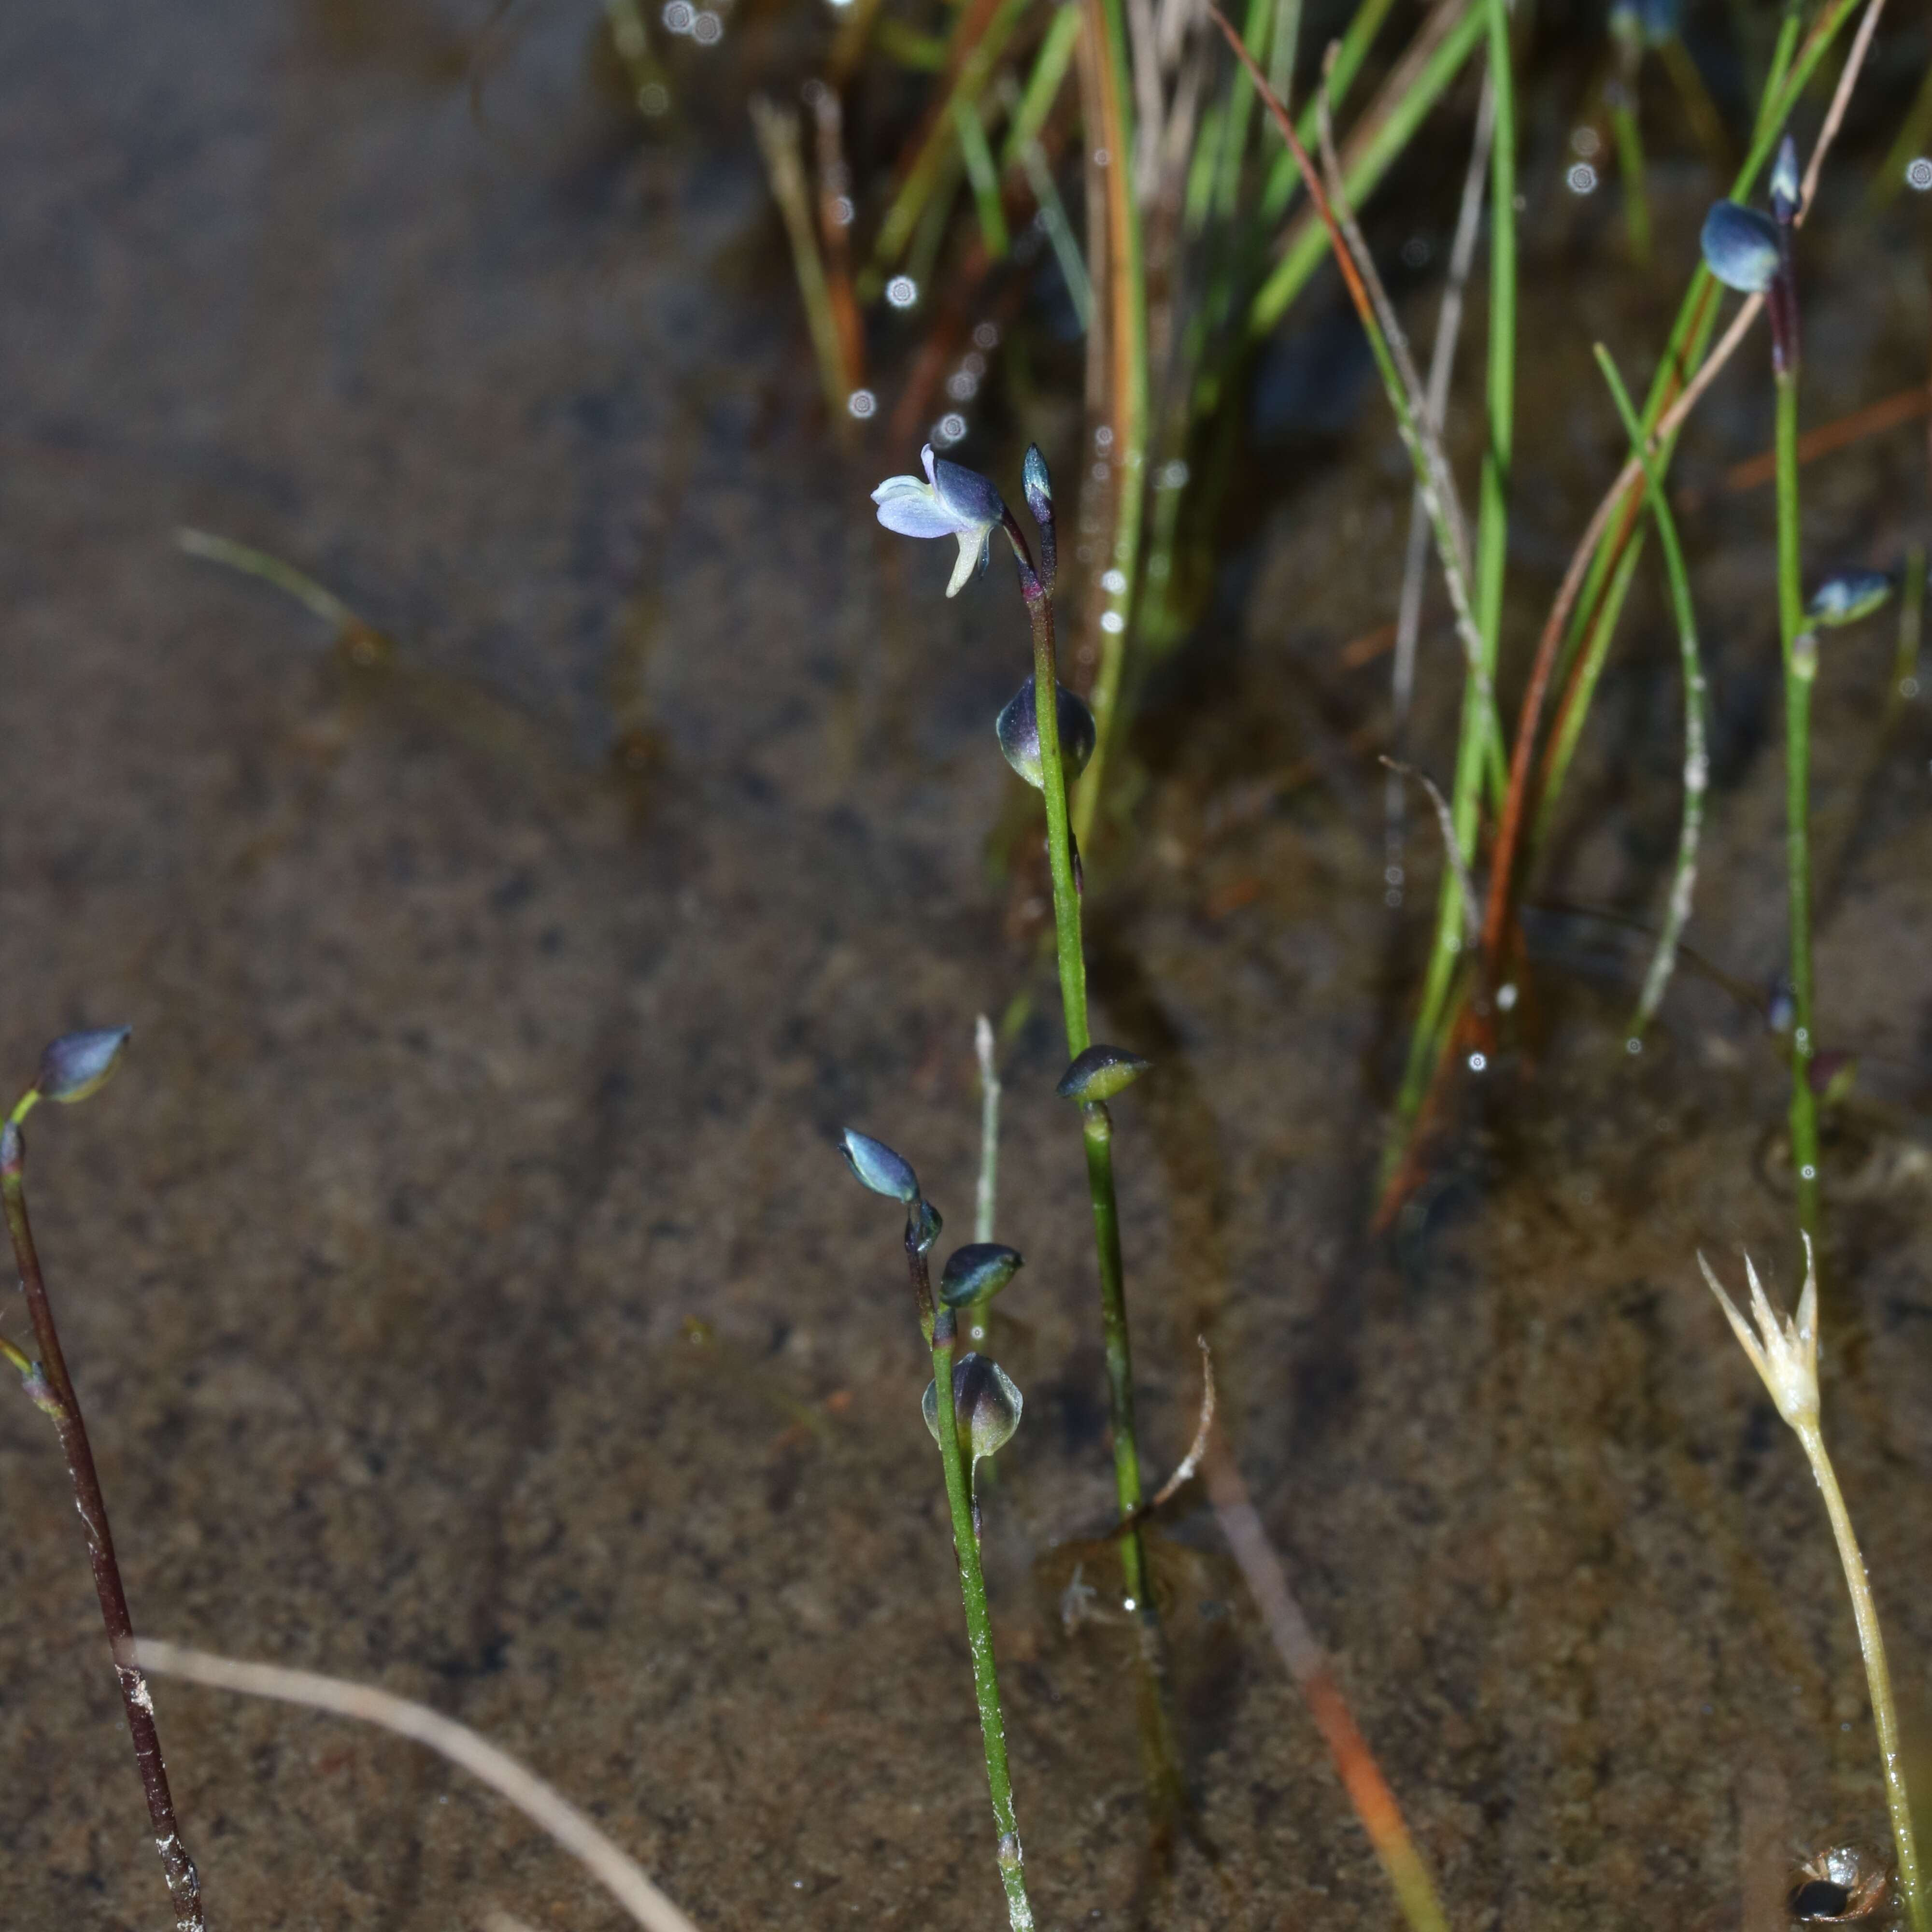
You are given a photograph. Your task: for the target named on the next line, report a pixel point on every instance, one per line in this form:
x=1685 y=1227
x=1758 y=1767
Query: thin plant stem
x=1911 y=621
x=1480 y=736
x=62 y=1406
x=1783 y=1350
x=607 y=1862
x=983 y=175
x=780 y=145
x=979 y=1620
x=1110 y=123
x=1374 y=1803
x=1878 y=1679
x=978 y=38
x=1441 y=368
x=252 y=562
x=1696 y=760
x=1096 y=1126
x=1409 y=96
x=987 y=1193
x=1628 y=135
x=1801 y=671
x=1913 y=133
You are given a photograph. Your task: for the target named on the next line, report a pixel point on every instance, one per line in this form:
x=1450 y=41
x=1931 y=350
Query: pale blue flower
x=953 y=502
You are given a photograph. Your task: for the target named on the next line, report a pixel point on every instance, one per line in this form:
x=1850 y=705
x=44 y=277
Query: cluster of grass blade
x=1114 y=138
x=1471 y=979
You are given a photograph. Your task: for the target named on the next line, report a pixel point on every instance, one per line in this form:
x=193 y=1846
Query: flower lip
x=1741 y=248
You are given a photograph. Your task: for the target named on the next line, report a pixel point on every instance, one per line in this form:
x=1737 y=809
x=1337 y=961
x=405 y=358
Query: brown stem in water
x=63 y=1406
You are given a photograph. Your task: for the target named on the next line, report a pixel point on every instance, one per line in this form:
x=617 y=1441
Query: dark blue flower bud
x=1017 y=726
x=986 y=1401
x=1784 y=183
x=1741 y=248
x=977 y=1273
x=1845 y=598
x=1100 y=1072
x=878 y=1167
x=78 y=1064
x=1038 y=486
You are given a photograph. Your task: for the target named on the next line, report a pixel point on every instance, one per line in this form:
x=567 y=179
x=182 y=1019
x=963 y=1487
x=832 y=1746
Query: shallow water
x=462 y=1286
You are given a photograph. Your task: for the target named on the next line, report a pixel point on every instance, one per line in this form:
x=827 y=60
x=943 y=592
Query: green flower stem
x=979 y=1623
x=1696 y=759
x=1800 y=670
x=1878 y=1679
x=62 y=1404
x=1096 y=1129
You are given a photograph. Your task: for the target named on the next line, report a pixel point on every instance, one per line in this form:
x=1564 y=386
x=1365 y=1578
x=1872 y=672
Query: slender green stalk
x=1096 y=1130
x=779 y=143
x=1043 y=84
x=1878 y=1680
x=1286 y=174
x=1628 y=136
x=1800 y=670
x=252 y=562
x=1911 y=620
x=981 y=171
x=1696 y=761
x=979 y=38
x=1481 y=732
x=1784 y=1352
x=1126 y=298
x=1365 y=172
x=979 y=1624
x=1913 y=133
x=1576 y=708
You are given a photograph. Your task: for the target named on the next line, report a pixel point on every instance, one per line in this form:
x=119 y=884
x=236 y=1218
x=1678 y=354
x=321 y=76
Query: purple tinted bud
x=1100 y=1072
x=78 y=1064
x=977 y=1273
x=1017 y=726
x=1741 y=248
x=877 y=1167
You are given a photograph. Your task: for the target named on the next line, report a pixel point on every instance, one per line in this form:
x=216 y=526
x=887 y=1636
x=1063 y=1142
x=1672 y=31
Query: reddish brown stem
x=184 y=1882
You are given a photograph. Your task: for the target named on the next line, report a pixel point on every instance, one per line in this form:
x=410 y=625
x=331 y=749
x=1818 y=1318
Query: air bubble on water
x=902 y=291
x=1582 y=179
x=1478 y=1061
x=862 y=403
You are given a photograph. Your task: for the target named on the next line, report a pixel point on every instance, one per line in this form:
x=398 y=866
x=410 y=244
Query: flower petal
x=968 y=495
x=910 y=508
x=969 y=557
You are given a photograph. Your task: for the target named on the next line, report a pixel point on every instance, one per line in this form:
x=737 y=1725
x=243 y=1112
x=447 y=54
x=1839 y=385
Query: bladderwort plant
x=984 y=1412
x=1752 y=254
x=73 y=1067
x=1784 y=1352
x=1046 y=734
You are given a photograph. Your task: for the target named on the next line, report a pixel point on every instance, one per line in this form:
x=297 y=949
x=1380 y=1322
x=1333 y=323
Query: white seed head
x=1784 y=1352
